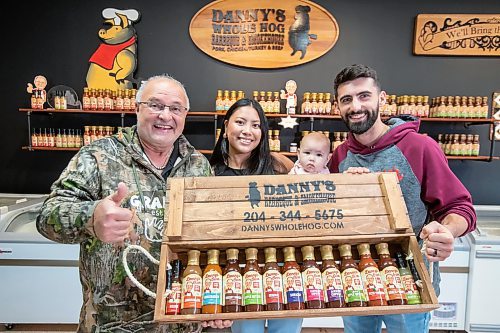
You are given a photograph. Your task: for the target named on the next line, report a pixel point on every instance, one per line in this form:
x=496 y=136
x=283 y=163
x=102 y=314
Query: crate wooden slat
x=224 y=212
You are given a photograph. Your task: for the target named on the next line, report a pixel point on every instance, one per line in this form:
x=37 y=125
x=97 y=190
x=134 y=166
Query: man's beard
x=360 y=127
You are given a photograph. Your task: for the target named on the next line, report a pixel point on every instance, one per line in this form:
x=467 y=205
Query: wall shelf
x=215 y=115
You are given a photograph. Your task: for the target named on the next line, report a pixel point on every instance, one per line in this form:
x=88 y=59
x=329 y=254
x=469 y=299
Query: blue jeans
x=292 y=325
x=399 y=323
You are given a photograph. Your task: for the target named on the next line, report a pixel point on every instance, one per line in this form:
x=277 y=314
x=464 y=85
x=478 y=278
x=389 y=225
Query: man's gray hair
x=161 y=77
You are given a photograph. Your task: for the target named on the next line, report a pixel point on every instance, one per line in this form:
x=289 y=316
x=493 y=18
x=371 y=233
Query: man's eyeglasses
x=157 y=108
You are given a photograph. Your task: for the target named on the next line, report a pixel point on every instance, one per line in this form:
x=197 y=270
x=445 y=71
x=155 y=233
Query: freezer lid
x=19 y=225
x=8 y=201
x=488 y=225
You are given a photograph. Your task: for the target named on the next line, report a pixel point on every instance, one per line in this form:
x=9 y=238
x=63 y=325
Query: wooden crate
x=263 y=211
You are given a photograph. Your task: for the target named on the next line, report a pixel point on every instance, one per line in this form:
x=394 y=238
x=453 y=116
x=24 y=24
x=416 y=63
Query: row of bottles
x=224 y=102
x=459 y=107
x=269 y=101
x=459 y=144
x=93 y=133
x=109 y=100
x=65 y=138
x=291 y=286
x=316 y=104
x=417 y=106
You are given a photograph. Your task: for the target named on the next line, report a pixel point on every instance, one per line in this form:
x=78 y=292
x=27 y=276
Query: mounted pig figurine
x=299 y=37
x=114 y=62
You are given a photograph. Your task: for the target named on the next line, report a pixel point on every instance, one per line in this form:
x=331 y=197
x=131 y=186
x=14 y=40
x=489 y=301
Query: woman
x=243 y=149
x=243 y=145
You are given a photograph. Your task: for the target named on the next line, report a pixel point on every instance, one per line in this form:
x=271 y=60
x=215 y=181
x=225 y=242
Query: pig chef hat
x=110 y=13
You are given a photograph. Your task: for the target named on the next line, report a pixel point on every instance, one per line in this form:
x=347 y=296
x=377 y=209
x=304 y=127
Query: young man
x=108 y=185
x=431 y=191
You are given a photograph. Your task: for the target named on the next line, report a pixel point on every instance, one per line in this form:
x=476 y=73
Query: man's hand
x=439 y=241
x=112 y=223
x=357 y=170
x=217 y=323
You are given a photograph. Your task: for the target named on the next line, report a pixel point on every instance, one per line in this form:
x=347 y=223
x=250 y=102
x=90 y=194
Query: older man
x=93 y=200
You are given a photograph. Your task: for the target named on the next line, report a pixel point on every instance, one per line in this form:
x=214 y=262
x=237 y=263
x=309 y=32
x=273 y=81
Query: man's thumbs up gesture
x=112 y=223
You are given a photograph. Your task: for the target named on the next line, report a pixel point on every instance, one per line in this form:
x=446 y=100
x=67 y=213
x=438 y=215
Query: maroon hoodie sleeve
x=338 y=156
x=442 y=191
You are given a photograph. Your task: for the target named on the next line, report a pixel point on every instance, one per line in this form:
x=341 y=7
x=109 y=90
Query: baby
x=313 y=155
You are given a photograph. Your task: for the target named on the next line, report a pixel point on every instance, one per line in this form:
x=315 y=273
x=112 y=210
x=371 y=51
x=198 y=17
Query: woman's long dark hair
x=260 y=161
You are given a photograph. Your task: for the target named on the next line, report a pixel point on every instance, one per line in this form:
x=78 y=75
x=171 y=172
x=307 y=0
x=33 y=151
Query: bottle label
x=212 y=288
x=332 y=281
x=86 y=103
x=353 y=286
x=93 y=103
x=313 y=284
x=174 y=299
x=411 y=290
x=191 y=292
x=273 y=286
x=392 y=281
x=293 y=286
x=373 y=283
x=252 y=282
x=219 y=105
x=232 y=283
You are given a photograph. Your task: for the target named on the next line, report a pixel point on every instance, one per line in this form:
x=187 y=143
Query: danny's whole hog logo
x=291 y=194
x=264 y=34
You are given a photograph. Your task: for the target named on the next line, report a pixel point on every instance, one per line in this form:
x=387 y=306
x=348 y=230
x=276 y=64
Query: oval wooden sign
x=264 y=33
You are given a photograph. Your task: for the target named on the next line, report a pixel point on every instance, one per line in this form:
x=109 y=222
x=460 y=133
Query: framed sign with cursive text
x=457 y=34
x=264 y=34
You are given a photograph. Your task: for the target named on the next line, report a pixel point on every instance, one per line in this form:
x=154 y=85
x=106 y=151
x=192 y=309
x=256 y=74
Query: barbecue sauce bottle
x=351 y=278
x=273 y=282
x=412 y=294
x=390 y=276
x=292 y=280
x=371 y=277
x=232 y=282
x=173 y=306
x=332 y=280
x=311 y=275
x=212 y=284
x=191 y=285
x=252 y=282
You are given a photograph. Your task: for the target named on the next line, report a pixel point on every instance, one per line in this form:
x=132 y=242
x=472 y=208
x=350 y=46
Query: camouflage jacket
x=111 y=302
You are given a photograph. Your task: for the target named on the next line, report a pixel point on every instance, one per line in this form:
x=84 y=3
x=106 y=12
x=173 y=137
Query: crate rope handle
x=131 y=276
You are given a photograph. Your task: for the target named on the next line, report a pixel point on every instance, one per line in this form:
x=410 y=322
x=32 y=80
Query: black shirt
x=224 y=170
x=171 y=161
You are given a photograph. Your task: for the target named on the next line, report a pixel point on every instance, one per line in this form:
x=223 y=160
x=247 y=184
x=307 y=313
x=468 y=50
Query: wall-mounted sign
x=457 y=34
x=264 y=34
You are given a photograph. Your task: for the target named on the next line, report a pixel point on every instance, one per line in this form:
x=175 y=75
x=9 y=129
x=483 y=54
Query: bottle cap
x=289 y=253
x=251 y=253
x=307 y=252
x=363 y=248
x=382 y=248
x=270 y=253
x=326 y=252
x=345 y=250
x=232 y=253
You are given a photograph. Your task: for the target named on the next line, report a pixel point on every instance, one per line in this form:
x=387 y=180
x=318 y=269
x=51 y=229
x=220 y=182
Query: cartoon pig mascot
x=114 y=62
